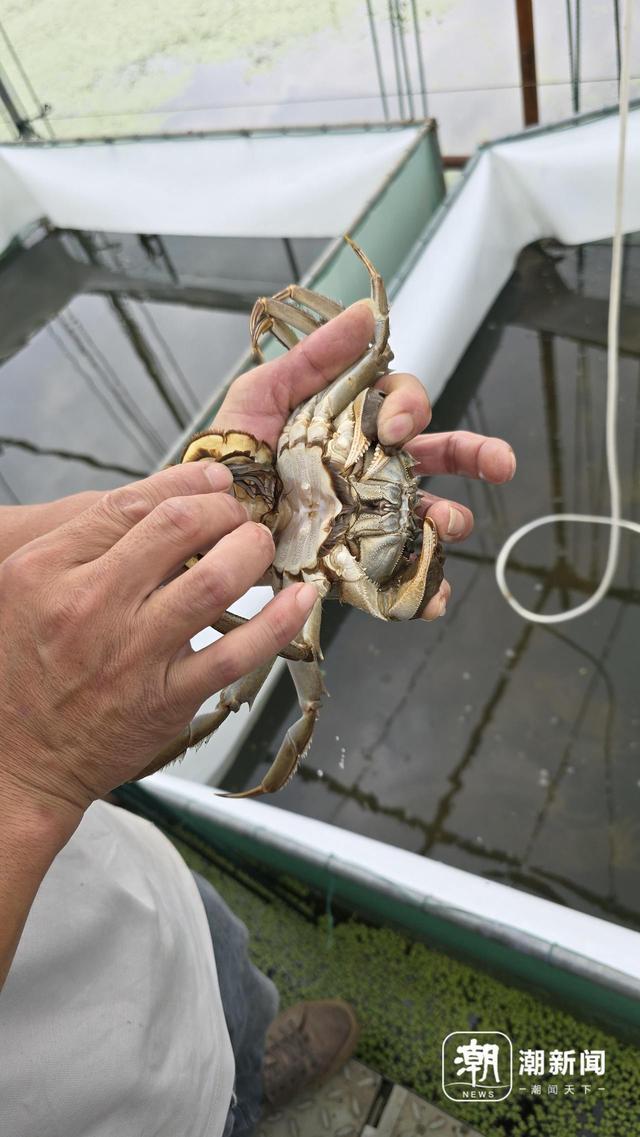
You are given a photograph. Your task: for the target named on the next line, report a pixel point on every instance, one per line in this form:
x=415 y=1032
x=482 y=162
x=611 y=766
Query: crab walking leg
x=324 y=307
x=307 y=678
x=229 y=620
x=277 y=315
x=321 y=310
x=347 y=387
x=287 y=315
x=401 y=601
x=310 y=634
x=244 y=690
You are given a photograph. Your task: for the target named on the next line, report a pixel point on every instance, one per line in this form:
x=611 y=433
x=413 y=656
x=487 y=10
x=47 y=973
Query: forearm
x=30 y=837
x=20 y=524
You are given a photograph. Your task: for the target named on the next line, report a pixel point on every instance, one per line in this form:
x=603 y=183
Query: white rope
x=614 y=520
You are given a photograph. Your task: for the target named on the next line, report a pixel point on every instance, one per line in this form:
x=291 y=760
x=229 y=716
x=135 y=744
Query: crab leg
x=363 y=374
x=308 y=684
x=279 y=317
x=273 y=314
x=307 y=678
x=229 y=620
x=244 y=690
x=315 y=300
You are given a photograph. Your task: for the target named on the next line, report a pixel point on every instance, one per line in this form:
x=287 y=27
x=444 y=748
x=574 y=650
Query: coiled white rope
x=614 y=520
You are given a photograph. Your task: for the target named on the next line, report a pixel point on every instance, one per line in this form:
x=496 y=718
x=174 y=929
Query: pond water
x=504 y=748
x=110 y=343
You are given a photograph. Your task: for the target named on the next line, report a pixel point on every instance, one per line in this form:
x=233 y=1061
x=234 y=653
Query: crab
x=342 y=509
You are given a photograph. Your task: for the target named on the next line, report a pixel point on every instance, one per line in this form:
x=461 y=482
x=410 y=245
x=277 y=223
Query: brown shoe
x=306 y=1045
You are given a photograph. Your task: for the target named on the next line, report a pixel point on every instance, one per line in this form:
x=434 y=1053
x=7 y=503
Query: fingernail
x=455 y=524
x=398 y=429
x=362 y=303
x=219 y=476
x=306 y=597
x=441 y=611
x=513 y=464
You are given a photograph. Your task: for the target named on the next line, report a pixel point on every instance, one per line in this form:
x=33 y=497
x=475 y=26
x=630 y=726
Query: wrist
x=32 y=833
x=33 y=825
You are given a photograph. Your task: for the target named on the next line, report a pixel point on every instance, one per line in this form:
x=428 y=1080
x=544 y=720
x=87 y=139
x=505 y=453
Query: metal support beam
x=526 y=43
x=22 y=125
x=163 y=292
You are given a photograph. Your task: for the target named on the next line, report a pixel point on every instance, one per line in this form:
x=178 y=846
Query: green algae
x=409 y=996
x=111 y=68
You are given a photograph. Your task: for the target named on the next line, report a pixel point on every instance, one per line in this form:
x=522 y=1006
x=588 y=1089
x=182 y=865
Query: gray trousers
x=250 y=1003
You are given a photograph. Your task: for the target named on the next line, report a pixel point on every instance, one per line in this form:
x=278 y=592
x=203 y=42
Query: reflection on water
x=110 y=343
x=508 y=749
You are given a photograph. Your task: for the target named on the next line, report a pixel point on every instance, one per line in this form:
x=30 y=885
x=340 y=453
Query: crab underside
x=341 y=507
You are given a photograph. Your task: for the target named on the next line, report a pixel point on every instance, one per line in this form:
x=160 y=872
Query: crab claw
x=414 y=592
x=406 y=597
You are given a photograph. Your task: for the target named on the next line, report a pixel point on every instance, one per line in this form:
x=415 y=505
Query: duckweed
x=409 y=997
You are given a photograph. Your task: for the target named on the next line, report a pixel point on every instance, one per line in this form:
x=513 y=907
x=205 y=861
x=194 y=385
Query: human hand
x=260 y=401
x=98 y=675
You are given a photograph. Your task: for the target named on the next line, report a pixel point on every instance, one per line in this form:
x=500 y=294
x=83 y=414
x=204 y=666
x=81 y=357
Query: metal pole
x=376 y=56
x=291 y=257
x=21 y=123
x=403 y=56
x=43 y=108
x=526 y=41
x=574 y=54
x=616 y=19
x=396 y=59
x=578 y=52
x=423 y=81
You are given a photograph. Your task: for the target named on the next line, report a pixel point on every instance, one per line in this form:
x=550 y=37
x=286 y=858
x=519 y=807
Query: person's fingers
x=157 y=546
x=462 y=452
x=98 y=528
x=405 y=411
x=260 y=401
x=453 y=521
x=437 y=606
x=198 y=597
x=245 y=648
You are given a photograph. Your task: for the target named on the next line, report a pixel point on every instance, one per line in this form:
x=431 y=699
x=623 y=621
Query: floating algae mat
x=502 y=748
x=408 y=997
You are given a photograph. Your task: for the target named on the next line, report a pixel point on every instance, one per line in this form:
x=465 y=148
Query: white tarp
x=306 y=184
x=555 y=183
x=560 y=935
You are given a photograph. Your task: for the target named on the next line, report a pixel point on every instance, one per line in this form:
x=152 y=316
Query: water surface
x=110 y=343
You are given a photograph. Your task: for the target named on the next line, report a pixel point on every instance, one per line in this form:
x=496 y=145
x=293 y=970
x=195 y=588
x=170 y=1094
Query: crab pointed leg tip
x=256 y=791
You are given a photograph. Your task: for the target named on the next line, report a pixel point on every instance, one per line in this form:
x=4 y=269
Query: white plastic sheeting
x=18 y=207
x=549 y=183
x=579 y=942
x=305 y=184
